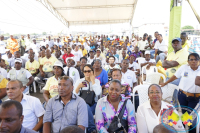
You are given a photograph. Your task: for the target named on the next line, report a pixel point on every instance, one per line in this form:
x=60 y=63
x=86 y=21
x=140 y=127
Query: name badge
x=186 y=74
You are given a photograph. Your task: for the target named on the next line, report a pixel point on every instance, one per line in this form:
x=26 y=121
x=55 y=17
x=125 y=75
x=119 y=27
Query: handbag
x=88 y=95
x=119 y=125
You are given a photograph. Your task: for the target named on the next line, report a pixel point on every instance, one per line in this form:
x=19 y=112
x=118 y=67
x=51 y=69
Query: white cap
x=72 y=59
x=58 y=63
x=98 y=49
x=147 y=52
x=18 y=60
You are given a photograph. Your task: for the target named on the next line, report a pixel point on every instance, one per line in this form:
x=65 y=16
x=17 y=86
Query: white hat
x=147 y=52
x=98 y=49
x=72 y=59
x=18 y=60
x=58 y=63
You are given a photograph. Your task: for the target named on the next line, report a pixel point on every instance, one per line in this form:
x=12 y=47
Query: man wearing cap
x=21 y=74
x=46 y=67
x=91 y=57
x=175 y=59
x=17 y=55
x=12 y=44
x=70 y=70
x=68 y=54
x=161 y=49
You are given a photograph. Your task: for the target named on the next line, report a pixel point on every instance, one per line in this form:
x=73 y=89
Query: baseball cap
x=147 y=52
x=98 y=50
x=176 y=39
x=18 y=60
x=58 y=63
x=91 y=50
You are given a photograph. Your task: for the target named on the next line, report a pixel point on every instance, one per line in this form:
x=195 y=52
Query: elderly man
x=175 y=59
x=11 y=118
x=12 y=44
x=32 y=107
x=65 y=109
x=21 y=74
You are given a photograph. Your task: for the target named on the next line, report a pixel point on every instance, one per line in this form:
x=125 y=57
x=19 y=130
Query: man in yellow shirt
x=46 y=67
x=3 y=83
x=175 y=59
x=84 y=51
x=185 y=43
x=32 y=65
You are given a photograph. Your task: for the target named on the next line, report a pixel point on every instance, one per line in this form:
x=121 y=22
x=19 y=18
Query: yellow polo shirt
x=84 y=52
x=48 y=63
x=186 y=45
x=52 y=86
x=32 y=67
x=181 y=57
x=3 y=83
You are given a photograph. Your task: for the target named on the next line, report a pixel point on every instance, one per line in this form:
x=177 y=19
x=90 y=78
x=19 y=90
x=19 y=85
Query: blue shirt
x=102 y=77
x=26 y=130
x=92 y=47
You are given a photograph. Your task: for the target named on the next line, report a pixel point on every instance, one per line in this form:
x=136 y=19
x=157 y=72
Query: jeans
x=91 y=125
x=161 y=57
x=152 y=52
x=93 y=107
x=175 y=82
x=136 y=102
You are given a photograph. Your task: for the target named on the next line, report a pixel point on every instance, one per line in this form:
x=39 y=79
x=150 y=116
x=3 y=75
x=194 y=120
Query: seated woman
x=51 y=87
x=100 y=73
x=149 y=114
x=137 y=53
x=94 y=85
x=110 y=106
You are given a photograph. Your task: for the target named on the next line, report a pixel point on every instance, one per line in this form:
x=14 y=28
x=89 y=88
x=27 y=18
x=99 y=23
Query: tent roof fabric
x=78 y=12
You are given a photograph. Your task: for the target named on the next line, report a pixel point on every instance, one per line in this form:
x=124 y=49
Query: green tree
x=44 y=33
x=188 y=27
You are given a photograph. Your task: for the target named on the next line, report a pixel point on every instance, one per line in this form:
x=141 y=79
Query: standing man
x=65 y=109
x=21 y=74
x=35 y=46
x=50 y=42
x=2 y=45
x=12 y=111
x=185 y=43
x=161 y=49
x=12 y=44
x=175 y=60
x=32 y=107
x=22 y=45
x=28 y=42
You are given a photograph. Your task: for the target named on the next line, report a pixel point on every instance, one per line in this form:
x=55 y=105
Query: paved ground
x=38 y=95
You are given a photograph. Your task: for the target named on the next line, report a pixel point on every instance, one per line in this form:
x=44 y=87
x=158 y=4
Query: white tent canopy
x=79 y=12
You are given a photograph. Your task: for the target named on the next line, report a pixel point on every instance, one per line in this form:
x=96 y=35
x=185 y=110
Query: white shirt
x=89 y=61
x=187 y=82
x=50 y=43
x=77 y=43
x=129 y=77
x=35 y=47
x=77 y=55
x=59 y=44
x=32 y=110
x=28 y=74
x=3 y=72
x=161 y=46
x=147 y=119
x=28 y=43
x=142 y=44
x=134 y=65
x=2 y=47
x=43 y=43
x=73 y=73
x=95 y=87
x=144 y=61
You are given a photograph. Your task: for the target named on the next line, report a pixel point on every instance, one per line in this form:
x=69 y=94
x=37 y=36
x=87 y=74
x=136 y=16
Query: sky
x=30 y=16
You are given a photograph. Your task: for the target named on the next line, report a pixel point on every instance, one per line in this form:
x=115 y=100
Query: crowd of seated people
x=87 y=83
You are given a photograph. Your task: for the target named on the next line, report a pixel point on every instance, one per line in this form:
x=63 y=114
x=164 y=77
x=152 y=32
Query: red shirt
x=66 y=56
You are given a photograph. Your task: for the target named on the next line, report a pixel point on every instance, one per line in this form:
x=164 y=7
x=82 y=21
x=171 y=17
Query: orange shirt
x=12 y=45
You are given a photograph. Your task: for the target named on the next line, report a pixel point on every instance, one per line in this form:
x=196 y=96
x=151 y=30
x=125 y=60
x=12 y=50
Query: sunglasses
x=87 y=71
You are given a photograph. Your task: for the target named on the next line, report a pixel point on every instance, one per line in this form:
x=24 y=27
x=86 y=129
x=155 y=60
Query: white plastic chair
x=153 y=78
x=142 y=93
x=34 y=86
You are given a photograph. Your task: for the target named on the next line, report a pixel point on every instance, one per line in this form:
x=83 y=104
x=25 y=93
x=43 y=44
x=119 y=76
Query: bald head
x=162 y=129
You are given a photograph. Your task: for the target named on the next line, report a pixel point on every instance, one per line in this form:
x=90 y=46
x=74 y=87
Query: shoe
x=94 y=131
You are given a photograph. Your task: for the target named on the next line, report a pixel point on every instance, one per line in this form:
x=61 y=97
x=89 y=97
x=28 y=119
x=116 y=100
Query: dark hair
x=19 y=82
x=72 y=129
x=154 y=85
x=125 y=60
x=160 y=35
x=115 y=69
x=156 y=32
x=116 y=81
x=195 y=55
x=83 y=58
x=43 y=47
x=88 y=65
x=9 y=103
x=66 y=78
x=112 y=57
x=62 y=74
x=163 y=129
x=65 y=49
x=184 y=34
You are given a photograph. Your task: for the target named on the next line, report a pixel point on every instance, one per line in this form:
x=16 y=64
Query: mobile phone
x=84 y=83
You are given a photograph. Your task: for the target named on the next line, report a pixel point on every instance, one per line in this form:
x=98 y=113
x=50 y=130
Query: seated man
x=72 y=129
x=12 y=111
x=65 y=109
x=3 y=83
x=32 y=107
x=175 y=59
x=21 y=74
x=46 y=67
x=17 y=55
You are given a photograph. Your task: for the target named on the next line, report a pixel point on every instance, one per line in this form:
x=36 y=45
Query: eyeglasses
x=157 y=92
x=87 y=71
x=193 y=59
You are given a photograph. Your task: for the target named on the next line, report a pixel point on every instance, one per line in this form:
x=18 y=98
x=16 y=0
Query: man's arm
x=30 y=81
x=2 y=93
x=197 y=81
x=47 y=127
x=169 y=64
x=39 y=124
x=144 y=64
x=134 y=84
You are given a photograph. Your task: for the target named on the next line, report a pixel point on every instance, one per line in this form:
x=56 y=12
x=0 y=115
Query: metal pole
x=197 y=16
